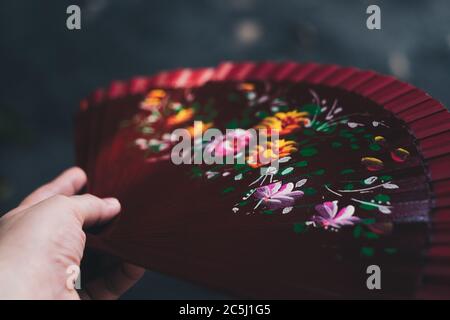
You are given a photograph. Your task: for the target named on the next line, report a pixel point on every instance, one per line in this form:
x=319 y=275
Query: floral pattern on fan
x=352 y=188
x=328 y=215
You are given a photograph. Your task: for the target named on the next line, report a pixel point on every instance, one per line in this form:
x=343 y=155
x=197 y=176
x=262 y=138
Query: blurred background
x=47 y=69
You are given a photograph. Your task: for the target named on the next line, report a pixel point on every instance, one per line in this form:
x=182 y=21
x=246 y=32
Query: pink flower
x=330 y=217
x=277 y=195
x=230 y=143
x=141 y=143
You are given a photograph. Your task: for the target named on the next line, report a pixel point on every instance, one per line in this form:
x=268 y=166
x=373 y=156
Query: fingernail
x=112 y=202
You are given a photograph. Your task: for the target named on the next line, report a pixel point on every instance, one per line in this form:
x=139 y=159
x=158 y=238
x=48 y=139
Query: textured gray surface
x=46 y=69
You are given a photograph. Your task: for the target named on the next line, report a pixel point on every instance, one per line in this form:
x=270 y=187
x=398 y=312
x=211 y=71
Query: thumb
x=92 y=210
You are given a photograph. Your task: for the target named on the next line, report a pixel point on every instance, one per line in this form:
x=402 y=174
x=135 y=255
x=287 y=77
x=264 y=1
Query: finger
x=92 y=210
x=114 y=283
x=67 y=183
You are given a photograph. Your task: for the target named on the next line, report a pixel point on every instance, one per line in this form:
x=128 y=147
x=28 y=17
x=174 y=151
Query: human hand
x=43 y=237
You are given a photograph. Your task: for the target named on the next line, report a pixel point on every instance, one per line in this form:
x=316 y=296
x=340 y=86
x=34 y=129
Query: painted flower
x=141 y=143
x=271 y=151
x=181 y=116
x=277 y=195
x=203 y=127
x=400 y=155
x=372 y=164
x=285 y=122
x=154 y=145
x=153 y=99
x=330 y=217
x=246 y=86
x=233 y=142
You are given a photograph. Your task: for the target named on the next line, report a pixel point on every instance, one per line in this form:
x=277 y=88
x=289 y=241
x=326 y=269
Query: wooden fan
x=362 y=178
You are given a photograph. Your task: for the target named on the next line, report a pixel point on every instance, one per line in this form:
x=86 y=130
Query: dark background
x=46 y=69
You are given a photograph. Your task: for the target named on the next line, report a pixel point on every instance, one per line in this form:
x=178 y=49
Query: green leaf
x=300 y=227
x=374 y=147
x=178 y=108
x=329 y=128
x=308 y=132
x=354 y=146
x=242 y=203
x=310 y=191
x=283 y=108
x=301 y=164
x=369 y=207
x=386 y=178
x=382 y=198
x=196 y=106
x=147 y=130
x=336 y=144
x=357 y=231
x=345 y=133
x=242 y=168
x=347 y=171
x=348 y=186
x=233 y=124
x=367 y=251
x=308 y=152
x=294 y=137
x=245 y=123
x=268 y=211
x=319 y=172
x=196 y=172
x=391 y=250
x=371 y=235
x=154 y=148
x=287 y=171
x=368 y=221
x=261 y=114
x=228 y=190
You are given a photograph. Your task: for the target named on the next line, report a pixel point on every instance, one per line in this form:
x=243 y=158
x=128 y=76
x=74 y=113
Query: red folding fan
x=361 y=178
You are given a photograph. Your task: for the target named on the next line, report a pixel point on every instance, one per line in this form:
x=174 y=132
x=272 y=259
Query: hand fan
x=360 y=178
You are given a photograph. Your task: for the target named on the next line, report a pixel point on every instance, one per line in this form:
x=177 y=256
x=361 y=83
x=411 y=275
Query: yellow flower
x=246 y=86
x=153 y=99
x=372 y=164
x=204 y=127
x=263 y=155
x=285 y=122
x=182 y=116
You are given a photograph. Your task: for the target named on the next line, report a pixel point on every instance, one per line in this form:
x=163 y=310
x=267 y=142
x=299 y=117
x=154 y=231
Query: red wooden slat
x=356 y=80
x=302 y=71
x=285 y=68
x=339 y=76
x=321 y=73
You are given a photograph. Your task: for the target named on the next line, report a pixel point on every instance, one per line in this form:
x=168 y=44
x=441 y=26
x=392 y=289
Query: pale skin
x=43 y=237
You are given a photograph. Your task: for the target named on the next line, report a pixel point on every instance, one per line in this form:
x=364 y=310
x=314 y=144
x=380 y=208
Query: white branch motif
x=332 y=191
x=382 y=208
x=330 y=114
x=386 y=185
x=317 y=101
x=263 y=177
